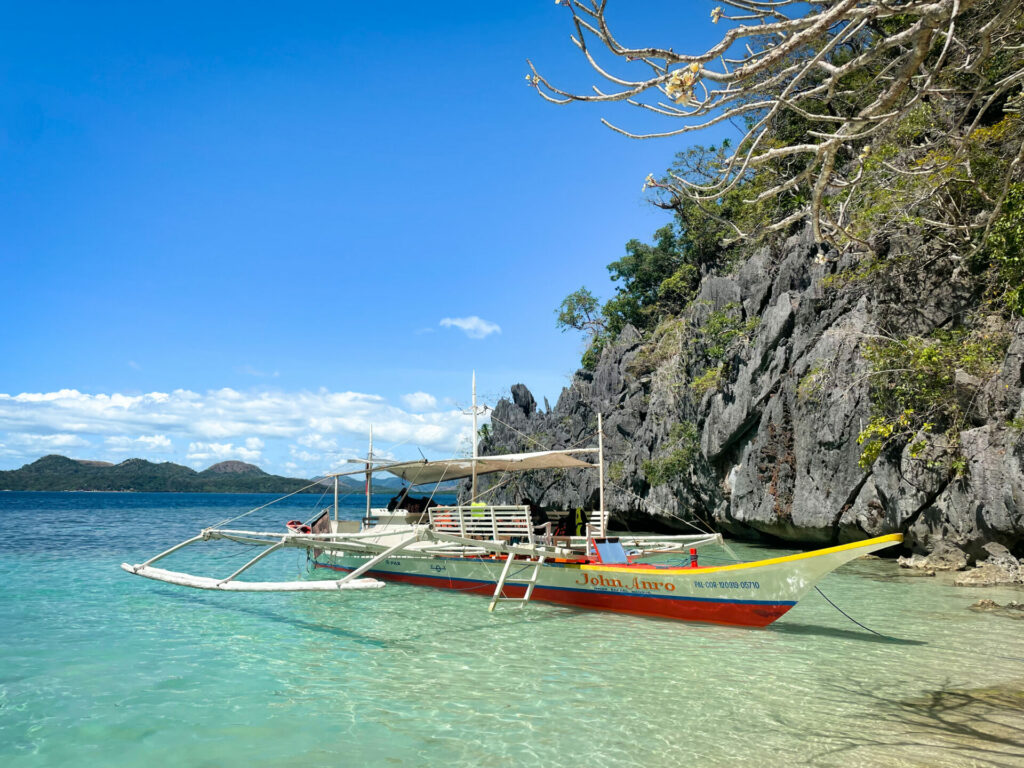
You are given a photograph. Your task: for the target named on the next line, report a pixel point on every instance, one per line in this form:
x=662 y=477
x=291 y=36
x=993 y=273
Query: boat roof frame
x=463 y=467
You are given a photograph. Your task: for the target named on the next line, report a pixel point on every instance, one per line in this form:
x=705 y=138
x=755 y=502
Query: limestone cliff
x=754 y=430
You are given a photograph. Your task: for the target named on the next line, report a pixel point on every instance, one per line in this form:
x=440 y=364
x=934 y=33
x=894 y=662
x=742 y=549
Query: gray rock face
x=774 y=448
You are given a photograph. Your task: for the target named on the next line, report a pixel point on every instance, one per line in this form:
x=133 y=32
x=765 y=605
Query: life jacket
x=579 y=523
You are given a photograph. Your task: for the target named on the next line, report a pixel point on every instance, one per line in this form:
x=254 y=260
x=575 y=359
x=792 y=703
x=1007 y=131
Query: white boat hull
x=747 y=594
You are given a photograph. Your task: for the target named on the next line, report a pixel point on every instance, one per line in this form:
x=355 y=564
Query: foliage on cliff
x=923 y=392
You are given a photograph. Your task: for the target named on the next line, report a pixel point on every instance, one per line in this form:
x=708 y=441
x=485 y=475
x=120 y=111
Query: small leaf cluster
x=683 y=446
x=724 y=327
x=914 y=394
x=708 y=381
x=1005 y=248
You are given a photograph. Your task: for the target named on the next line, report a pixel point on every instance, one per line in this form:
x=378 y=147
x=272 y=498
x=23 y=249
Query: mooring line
x=862 y=626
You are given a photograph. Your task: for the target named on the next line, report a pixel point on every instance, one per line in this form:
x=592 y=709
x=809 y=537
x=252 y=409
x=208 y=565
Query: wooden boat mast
x=369 y=478
x=600 y=476
x=472 y=492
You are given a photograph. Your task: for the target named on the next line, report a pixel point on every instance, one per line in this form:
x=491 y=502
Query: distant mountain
x=233 y=468
x=59 y=473
x=388 y=483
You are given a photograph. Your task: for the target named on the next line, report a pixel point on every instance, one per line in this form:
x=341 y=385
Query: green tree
x=641 y=272
x=580 y=311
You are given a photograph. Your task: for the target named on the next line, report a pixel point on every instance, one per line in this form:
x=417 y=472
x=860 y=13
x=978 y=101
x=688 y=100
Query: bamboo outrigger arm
x=204 y=582
x=349 y=581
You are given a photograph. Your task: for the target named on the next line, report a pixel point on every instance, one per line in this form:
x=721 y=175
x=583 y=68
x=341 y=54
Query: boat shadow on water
x=791 y=628
x=363 y=639
x=270 y=615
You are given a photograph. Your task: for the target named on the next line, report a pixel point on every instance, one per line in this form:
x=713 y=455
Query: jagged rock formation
x=774 y=446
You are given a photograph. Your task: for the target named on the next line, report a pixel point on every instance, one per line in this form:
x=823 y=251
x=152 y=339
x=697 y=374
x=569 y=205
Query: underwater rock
x=1012 y=610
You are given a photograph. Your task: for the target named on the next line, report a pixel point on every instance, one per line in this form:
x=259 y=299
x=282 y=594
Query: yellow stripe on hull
x=872 y=544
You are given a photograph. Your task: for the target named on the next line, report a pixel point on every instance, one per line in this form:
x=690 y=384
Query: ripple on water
x=98 y=668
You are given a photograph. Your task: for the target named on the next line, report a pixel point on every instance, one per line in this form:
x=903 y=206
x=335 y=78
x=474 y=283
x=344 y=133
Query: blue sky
x=248 y=230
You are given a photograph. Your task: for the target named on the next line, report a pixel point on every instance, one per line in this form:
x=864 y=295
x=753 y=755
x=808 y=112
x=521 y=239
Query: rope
x=505 y=477
x=437 y=485
x=318 y=510
x=264 y=506
x=521 y=434
x=317 y=481
x=635 y=495
x=862 y=626
x=725 y=545
x=534 y=440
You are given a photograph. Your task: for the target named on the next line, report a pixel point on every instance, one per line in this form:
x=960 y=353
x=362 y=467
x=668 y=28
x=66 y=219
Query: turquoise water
x=100 y=668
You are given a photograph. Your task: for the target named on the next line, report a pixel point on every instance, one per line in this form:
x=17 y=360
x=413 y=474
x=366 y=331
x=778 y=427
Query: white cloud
x=318 y=441
x=257 y=426
x=420 y=401
x=215 y=415
x=474 y=327
x=147 y=443
x=222 y=452
x=50 y=442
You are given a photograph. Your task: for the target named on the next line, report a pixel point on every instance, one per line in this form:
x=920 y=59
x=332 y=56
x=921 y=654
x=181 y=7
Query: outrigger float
x=498 y=551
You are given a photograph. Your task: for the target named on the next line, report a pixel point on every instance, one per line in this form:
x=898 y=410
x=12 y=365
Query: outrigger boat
x=498 y=551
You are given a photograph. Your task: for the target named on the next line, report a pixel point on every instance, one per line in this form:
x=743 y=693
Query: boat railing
x=495 y=522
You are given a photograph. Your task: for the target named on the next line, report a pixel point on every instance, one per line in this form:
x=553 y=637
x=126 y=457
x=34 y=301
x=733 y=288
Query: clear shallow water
x=101 y=668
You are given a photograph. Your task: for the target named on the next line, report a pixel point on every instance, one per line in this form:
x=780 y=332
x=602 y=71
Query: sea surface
x=102 y=668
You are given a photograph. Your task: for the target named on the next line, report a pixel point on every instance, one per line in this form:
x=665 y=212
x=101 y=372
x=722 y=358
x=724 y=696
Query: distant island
x=59 y=473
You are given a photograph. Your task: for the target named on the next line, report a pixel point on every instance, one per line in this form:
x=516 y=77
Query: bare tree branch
x=851 y=73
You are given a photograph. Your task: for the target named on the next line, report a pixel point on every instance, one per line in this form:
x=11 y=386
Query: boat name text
x=637 y=584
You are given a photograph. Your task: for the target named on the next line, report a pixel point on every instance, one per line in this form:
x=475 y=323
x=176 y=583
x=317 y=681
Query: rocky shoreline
x=998 y=568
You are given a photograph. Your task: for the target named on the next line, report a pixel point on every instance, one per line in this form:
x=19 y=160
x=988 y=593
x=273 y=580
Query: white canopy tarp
x=417 y=472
